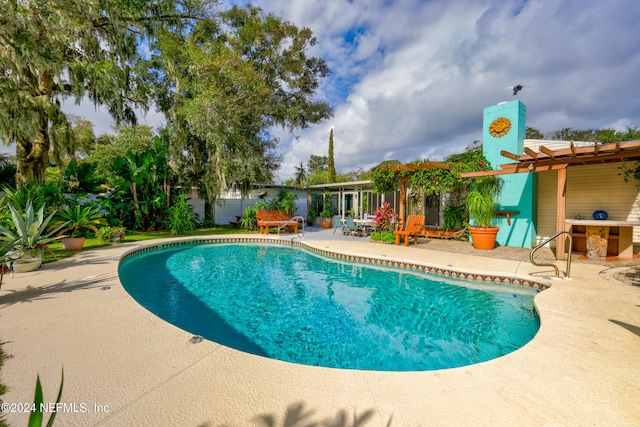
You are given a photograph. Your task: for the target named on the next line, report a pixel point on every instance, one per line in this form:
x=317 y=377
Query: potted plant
x=311 y=216
x=78 y=222
x=326 y=212
x=481 y=202
x=113 y=234
x=31 y=237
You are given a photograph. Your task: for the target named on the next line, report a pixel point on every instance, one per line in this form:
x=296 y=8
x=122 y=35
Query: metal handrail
x=295 y=218
x=544 y=242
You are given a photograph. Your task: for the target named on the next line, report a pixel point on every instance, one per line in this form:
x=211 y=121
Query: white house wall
x=589 y=188
x=230 y=204
x=227 y=209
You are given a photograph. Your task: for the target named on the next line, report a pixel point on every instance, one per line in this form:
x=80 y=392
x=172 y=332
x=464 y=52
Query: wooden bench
x=435 y=232
x=237 y=223
x=268 y=219
x=412 y=228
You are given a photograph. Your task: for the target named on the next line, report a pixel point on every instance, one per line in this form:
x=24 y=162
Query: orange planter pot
x=326 y=224
x=72 y=243
x=484 y=238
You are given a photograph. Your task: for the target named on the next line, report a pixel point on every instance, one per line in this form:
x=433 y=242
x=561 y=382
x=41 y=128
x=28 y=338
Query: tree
x=301 y=176
x=140 y=182
x=57 y=49
x=331 y=168
x=228 y=85
x=533 y=133
x=135 y=139
x=84 y=138
x=317 y=163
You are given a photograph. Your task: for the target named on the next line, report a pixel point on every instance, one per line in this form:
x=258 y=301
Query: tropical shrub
x=181 y=216
x=31 y=230
x=80 y=177
x=37 y=193
x=286 y=201
x=249 y=218
x=454 y=216
x=79 y=221
x=383 y=217
x=139 y=181
x=311 y=215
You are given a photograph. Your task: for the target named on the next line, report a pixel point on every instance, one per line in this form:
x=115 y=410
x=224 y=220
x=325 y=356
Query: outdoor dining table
x=366 y=225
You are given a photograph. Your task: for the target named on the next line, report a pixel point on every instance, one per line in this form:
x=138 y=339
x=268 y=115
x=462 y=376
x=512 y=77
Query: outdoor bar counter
x=620 y=242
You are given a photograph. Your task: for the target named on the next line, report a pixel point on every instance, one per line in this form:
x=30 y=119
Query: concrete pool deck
x=125 y=367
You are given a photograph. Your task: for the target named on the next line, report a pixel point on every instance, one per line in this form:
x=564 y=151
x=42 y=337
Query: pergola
x=546 y=160
x=402 y=179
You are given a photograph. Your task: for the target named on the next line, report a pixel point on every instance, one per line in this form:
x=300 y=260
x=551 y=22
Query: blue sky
x=410 y=78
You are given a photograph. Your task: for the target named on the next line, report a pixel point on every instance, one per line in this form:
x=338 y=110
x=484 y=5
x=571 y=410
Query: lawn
x=56 y=253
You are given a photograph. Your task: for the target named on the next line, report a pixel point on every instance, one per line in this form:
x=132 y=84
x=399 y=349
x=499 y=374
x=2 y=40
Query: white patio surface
x=123 y=366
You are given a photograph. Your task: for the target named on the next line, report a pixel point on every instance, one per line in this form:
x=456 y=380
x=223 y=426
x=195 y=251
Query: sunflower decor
x=500 y=127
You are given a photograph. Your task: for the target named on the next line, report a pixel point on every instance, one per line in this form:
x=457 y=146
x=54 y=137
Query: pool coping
x=117 y=354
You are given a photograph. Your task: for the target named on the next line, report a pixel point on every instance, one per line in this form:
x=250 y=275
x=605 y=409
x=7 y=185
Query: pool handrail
x=295 y=218
x=544 y=242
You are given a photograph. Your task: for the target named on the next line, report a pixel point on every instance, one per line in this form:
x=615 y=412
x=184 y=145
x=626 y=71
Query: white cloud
x=410 y=78
x=443 y=62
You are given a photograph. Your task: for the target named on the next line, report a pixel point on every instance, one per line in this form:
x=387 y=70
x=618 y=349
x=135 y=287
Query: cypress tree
x=331 y=171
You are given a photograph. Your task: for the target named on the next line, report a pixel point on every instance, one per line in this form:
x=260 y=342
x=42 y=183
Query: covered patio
x=355 y=198
x=619 y=227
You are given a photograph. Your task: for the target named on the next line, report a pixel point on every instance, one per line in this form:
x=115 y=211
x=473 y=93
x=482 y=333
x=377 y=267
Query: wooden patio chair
x=412 y=228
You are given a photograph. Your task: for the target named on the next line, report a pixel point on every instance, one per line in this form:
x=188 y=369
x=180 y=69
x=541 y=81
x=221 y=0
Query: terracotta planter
x=72 y=243
x=326 y=224
x=484 y=238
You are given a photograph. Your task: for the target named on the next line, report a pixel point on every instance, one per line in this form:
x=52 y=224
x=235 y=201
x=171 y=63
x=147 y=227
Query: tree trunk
x=134 y=193
x=33 y=158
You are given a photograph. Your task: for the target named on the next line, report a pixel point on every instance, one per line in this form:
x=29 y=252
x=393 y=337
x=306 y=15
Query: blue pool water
x=290 y=304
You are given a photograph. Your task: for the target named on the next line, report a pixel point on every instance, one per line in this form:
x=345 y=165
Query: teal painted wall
x=519 y=189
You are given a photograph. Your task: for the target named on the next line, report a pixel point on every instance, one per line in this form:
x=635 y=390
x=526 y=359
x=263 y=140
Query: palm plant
x=31 y=230
x=78 y=220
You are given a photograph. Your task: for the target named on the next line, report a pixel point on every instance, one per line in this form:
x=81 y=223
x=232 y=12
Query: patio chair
x=412 y=228
x=350 y=227
x=337 y=222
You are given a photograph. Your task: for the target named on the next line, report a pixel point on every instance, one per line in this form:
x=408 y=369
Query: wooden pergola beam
x=547 y=151
x=509 y=155
x=557 y=163
x=531 y=153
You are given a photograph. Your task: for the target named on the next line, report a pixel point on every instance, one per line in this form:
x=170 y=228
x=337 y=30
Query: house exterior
x=551 y=186
x=536 y=202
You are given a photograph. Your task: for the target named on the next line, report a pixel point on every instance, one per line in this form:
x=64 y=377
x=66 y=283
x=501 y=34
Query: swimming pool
x=291 y=304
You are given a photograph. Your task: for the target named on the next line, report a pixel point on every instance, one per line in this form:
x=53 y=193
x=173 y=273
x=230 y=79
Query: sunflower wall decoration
x=500 y=127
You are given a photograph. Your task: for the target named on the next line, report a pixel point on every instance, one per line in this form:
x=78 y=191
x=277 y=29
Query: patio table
x=367 y=225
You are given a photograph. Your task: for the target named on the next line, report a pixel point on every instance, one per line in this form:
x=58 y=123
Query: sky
x=410 y=78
